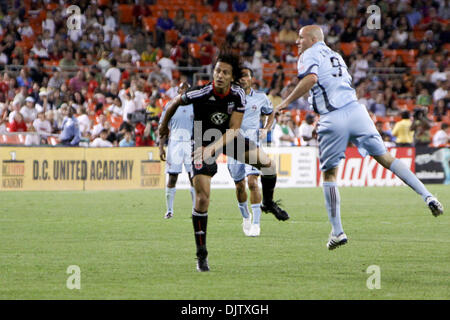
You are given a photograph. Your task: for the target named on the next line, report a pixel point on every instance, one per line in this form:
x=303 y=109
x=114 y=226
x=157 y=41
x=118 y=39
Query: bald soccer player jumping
x=324 y=74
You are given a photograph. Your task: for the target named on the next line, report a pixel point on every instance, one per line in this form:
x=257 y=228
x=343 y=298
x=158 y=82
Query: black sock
x=268 y=186
x=200 y=221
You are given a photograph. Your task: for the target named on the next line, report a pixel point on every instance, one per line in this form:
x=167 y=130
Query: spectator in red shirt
x=143 y=135
x=140 y=10
x=18 y=124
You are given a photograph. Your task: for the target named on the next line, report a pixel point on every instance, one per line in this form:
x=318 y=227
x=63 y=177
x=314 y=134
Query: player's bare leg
x=406 y=175
x=260 y=160
x=202 y=186
x=170 y=194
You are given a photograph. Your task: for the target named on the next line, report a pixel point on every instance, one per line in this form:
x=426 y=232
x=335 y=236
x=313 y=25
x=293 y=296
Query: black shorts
x=236 y=150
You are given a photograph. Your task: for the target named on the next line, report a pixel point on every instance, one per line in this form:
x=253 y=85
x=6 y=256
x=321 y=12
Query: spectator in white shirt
x=440 y=92
x=42 y=126
x=84 y=123
x=440 y=138
x=167 y=65
x=49 y=24
x=99 y=126
x=242 y=26
x=439 y=75
x=113 y=39
x=282 y=135
x=129 y=105
x=110 y=21
x=133 y=53
x=115 y=107
x=101 y=141
x=113 y=74
x=39 y=50
x=47 y=40
x=16 y=105
x=26 y=30
x=307 y=132
x=359 y=68
x=28 y=111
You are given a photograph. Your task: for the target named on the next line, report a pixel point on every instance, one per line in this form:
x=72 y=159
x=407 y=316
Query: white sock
x=406 y=175
x=333 y=205
x=256 y=209
x=170 y=196
x=244 y=209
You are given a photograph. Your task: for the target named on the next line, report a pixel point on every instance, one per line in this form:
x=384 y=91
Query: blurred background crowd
x=108 y=68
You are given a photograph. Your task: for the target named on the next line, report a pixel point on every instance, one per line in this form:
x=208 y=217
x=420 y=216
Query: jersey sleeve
x=267 y=107
x=308 y=63
x=193 y=95
x=241 y=100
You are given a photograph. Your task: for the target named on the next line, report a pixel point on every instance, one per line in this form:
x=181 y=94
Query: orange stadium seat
x=290 y=70
x=364 y=47
x=102 y=3
x=12 y=139
x=149 y=23
x=419 y=34
x=348 y=48
x=52 y=141
x=194 y=49
x=268 y=70
x=405 y=104
x=172 y=36
x=125 y=13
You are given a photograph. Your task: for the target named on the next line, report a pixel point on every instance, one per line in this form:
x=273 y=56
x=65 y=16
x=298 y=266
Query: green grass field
x=126 y=250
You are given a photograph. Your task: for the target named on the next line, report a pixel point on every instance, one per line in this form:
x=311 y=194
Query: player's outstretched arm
x=300 y=89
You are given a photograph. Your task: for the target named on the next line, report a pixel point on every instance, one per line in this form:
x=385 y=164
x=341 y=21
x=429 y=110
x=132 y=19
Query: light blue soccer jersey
x=333 y=89
x=257 y=104
x=181 y=124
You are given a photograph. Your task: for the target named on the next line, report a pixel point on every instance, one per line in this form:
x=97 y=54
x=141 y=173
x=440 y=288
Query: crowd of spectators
x=110 y=80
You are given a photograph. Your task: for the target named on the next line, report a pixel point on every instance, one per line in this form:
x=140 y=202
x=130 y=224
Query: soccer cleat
x=168 y=215
x=246 y=224
x=435 y=206
x=255 y=230
x=336 y=241
x=202 y=259
x=202 y=265
x=275 y=209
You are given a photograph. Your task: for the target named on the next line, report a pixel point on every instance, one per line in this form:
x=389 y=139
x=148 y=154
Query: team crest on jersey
x=254 y=107
x=218 y=118
x=198 y=166
x=230 y=107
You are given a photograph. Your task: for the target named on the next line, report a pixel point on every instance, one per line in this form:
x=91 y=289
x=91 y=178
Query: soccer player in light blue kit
x=179 y=150
x=324 y=74
x=257 y=104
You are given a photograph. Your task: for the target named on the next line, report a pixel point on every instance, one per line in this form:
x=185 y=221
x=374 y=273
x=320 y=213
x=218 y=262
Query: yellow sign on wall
x=80 y=168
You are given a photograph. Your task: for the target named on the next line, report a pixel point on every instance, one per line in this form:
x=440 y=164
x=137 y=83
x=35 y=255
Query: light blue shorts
x=351 y=123
x=179 y=153
x=239 y=170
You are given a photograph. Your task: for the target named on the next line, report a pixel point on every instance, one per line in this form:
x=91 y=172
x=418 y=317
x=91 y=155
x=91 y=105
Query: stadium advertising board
x=296 y=168
x=433 y=165
x=80 y=168
x=356 y=171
